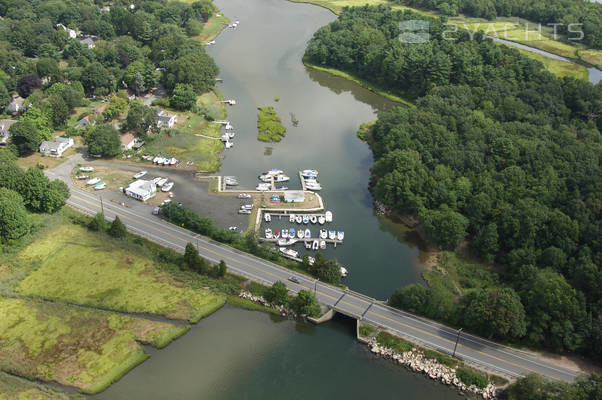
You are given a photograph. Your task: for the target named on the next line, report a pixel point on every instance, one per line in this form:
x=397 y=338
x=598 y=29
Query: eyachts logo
x=414 y=31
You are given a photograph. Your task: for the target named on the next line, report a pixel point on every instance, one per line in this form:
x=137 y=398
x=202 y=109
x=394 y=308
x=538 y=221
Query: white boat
x=289 y=252
x=286 y=242
x=311 y=181
x=167 y=187
x=166 y=201
x=315 y=244
x=166 y=161
x=323 y=233
x=230 y=181
x=156 y=159
x=229 y=144
x=309 y=173
x=244 y=196
x=232 y=134
x=281 y=187
x=82 y=177
x=299 y=219
x=93 y=181
x=328 y=216
x=140 y=174
x=285 y=233
x=313 y=219
x=86 y=169
x=322 y=244
x=276 y=234
x=262 y=187
x=332 y=235
x=267 y=217
x=307 y=244
x=321 y=220
x=268 y=233
x=307 y=234
x=228 y=126
x=247 y=207
x=344 y=272
x=340 y=235
x=274 y=172
x=300 y=234
x=313 y=187
x=159 y=160
x=291 y=218
x=161 y=182
x=100 y=186
x=305 y=219
x=243 y=211
x=281 y=178
x=265 y=178
x=156 y=180
x=211 y=42
x=173 y=161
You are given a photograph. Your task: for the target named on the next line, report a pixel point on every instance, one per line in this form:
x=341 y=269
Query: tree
x=103 y=140
x=57 y=193
x=328 y=271
x=117 y=229
x=41 y=120
x=117 y=105
x=196 y=69
x=444 y=226
x=11 y=175
x=218 y=270
x=142 y=119
x=14 y=221
x=25 y=137
x=495 y=312
x=95 y=76
x=98 y=223
x=305 y=303
x=4 y=97
x=59 y=110
x=27 y=84
x=486 y=243
x=183 y=97
x=277 y=293
x=412 y=298
x=34 y=189
x=47 y=67
x=194 y=261
x=137 y=85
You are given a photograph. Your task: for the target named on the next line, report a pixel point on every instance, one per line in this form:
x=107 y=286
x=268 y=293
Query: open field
x=77 y=266
x=558 y=67
x=77 y=347
x=36 y=159
x=16 y=388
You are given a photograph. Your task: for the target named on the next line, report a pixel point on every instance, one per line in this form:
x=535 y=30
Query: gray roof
x=5 y=125
x=49 y=146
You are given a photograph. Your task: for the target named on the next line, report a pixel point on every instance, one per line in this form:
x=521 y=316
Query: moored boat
x=93 y=181
x=344 y=272
x=268 y=233
x=291 y=232
x=307 y=244
x=340 y=235
x=299 y=219
x=328 y=216
x=230 y=181
x=281 y=178
x=313 y=219
x=305 y=219
x=323 y=233
x=291 y=218
x=309 y=173
x=276 y=234
x=321 y=220
x=300 y=234
x=284 y=233
x=287 y=242
x=288 y=252
x=315 y=244
x=322 y=244
x=332 y=235
x=267 y=217
x=307 y=234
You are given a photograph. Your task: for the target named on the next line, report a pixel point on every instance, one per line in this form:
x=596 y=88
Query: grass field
x=212 y=28
x=74 y=265
x=558 y=67
x=36 y=159
x=593 y=57
x=77 y=347
x=16 y=388
x=336 y=6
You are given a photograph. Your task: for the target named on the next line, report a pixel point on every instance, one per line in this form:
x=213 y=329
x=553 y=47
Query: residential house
x=17 y=105
x=5 y=125
x=88 y=42
x=166 y=120
x=85 y=121
x=128 y=140
x=72 y=33
x=141 y=190
x=56 y=148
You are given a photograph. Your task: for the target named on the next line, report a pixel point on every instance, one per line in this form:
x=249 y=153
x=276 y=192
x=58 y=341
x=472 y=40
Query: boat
x=231 y=134
x=268 y=233
x=322 y=244
x=311 y=260
x=291 y=218
x=274 y=172
x=291 y=233
x=229 y=144
x=289 y=252
x=286 y=242
x=313 y=187
x=307 y=234
x=309 y=173
x=299 y=219
x=86 y=169
x=284 y=233
x=230 y=181
x=321 y=220
x=315 y=244
x=165 y=201
x=161 y=182
x=262 y=187
x=280 y=187
x=167 y=187
x=275 y=199
x=93 y=181
x=313 y=219
x=166 y=161
x=100 y=186
x=246 y=207
x=267 y=217
x=305 y=219
x=344 y=272
x=224 y=137
x=82 y=177
x=332 y=235
x=244 y=196
x=173 y=161
x=276 y=234
x=211 y=42
x=307 y=244
x=281 y=178
x=159 y=160
x=244 y=211
x=265 y=178
x=156 y=180
x=229 y=126
x=328 y=216
x=323 y=233
x=140 y=174
x=300 y=234
x=155 y=159
x=340 y=235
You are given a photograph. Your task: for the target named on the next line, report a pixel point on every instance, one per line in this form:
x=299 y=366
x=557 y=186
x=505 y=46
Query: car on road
x=294 y=279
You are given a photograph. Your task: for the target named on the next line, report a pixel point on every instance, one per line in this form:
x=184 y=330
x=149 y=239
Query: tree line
x=498 y=153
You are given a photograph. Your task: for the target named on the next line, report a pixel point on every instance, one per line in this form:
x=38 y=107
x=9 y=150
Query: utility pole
x=102 y=207
x=315 y=286
x=457 y=339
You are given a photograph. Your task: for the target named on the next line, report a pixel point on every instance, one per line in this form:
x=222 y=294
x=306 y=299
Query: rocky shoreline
x=284 y=311
x=417 y=362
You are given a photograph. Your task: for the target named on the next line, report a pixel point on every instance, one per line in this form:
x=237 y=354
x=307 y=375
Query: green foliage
x=117 y=106
x=98 y=223
x=412 y=298
x=117 y=229
x=14 y=221
x=25 y=137
x=183 y=98
x=470 y=377
x=218 y=270
x=441 y=358
x=103 y=140
x=194 y=261
x=305 y=303
x=277 y=293
x=385 y=339
x=367 y=329
x=40 y=120
x=27 y=84
x=269 y=126
x=141 y=119
x=4 y=97
x=445 y=226
x=326 y=270
x=533 y=387
x=196 y=69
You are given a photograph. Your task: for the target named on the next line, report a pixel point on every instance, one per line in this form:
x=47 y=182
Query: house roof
x=127 y=138
x=5 y=125
x=142 y=187
x=49 y=146
x=101 y=108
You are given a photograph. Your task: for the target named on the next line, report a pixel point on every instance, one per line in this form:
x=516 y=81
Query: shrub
x=385 y=339
x=472 y=378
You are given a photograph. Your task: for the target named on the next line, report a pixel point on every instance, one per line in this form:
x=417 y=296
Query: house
x=72 y=34
x=141 y=190
x=5 y=125
x=88 y=42
x=166 y=120
x=85 y=121
x=16 y=105
x=128 y=140
x=56 y=148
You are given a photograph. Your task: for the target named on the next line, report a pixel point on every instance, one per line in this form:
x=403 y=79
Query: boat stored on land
x=82 y=177
x=167 y=187
x=140 y=174
x=288 y=252
x=161 y=181
x=246 y=207
x=93 y=181
x=100 y=186
x=244 y=196
x=243 y=211
x=86 y=169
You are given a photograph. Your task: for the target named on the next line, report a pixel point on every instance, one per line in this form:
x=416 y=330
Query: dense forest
x=498 y=153
x=564 y=12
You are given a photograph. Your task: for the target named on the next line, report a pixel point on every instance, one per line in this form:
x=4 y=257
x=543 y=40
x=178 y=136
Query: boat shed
x=141 y=190
x=294 y=196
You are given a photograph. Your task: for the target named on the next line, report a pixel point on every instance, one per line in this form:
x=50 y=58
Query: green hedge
x=472 y=378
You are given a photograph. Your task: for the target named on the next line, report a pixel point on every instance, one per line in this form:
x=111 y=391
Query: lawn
x=16 y=388
x=72 y=264
x=212 y=28
x=113 y=177
x=38 y=159
x=78 y=347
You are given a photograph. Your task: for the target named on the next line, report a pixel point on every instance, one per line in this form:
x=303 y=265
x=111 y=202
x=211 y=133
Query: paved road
x=139 y=220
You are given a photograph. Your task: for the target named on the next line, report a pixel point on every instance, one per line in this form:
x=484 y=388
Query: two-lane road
x=139 y=219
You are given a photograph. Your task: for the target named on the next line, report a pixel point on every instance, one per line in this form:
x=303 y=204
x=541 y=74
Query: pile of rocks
x=416 y=361
x=260 y=300
x=380 y=208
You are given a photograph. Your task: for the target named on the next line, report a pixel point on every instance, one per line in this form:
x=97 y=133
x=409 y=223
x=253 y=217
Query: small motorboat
x=265 y=178
x=307 y=244
x=281 y=178
x=322 y=244
x=93 y=181
x=305 y=219
x=289 y=252
x=300 y=234
x=159 y=160
x=291 y=218
x=229 y=144
x=332 y=235
x=140 y=174
x=229 y=126
x=244 y=196
x=231 y=134
x=340 y=235
x=86 y=169
x=315 y=244
x=262 y=187
x=313 y=219
x=291 y=233
x=323 y=233
x=156 y=180
x=100 y=186
x=82 y=177
x=276 y=234
x=344 y=272
x=267 y=217
x=173 y=161
x=161 y=181
x=314 y=187
x=244 y=211
x=167 y=187
x=156 y=159
x=307 y=234
x=321 y=220
x=299 y=219
x=274 y=172
x=287 y=242
x=230 y=181
x=328 y=216
x=167 y=161
x=280 y=187
x=309 y=173
x=211 y=42
x=284 y=233
x=268 y=233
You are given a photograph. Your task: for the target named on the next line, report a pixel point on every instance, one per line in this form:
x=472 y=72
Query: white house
x=88 y=42
x=56 y=148
x=72 y=33
x=128 y=140
x=166 y=120
x=17 y=105
x=141 y=190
